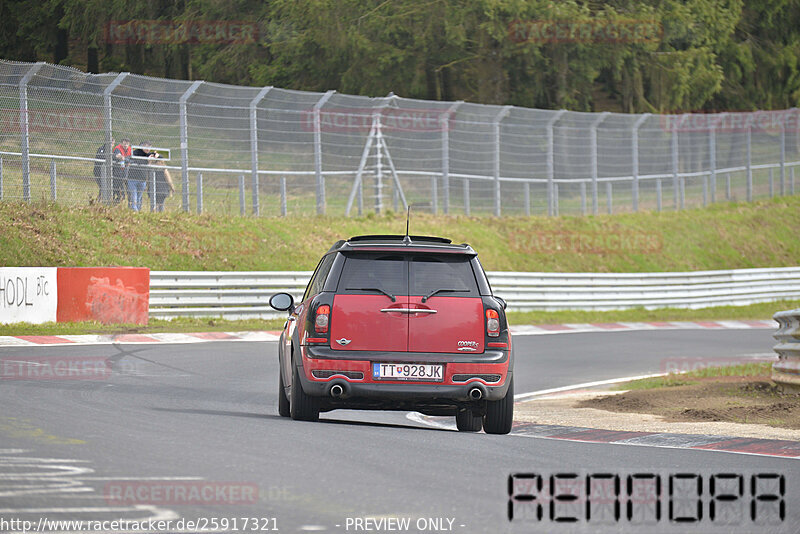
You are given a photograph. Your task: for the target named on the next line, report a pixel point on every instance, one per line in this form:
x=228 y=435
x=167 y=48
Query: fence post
x=434 y=195
x=199 y=193
x=783 y=156
x=583 y=197
x=728 y=186
x=254 y=144
x=658 y=194
x=360 y=199
x=712 y=156
x=283 y=196
x=184 y=133
x=1 y=178
x=526 y=187
x=152 y=183
x=53 y=187
x=771 y=184
x=593 y=149
x=23 y=126
x=551 y=160
x=749 y=162
x=705 y=190
x=318 y=152
x=466 y=196
x=555 y=198
x=609 y=198
x=497 y=120
x=108 y=173
x=241 y=195
x=674 y=150
x=791 y=184
x=445 y=124
x=635 y=159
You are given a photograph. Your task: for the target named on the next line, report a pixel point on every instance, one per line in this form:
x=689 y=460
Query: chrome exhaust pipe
x=475 y=394
x=337 y=391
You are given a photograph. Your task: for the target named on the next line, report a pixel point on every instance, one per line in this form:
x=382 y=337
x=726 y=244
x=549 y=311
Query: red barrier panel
x=105 y=294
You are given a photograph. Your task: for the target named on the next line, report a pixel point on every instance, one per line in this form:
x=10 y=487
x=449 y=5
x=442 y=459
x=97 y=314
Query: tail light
x=323 y=319
x=492 y=323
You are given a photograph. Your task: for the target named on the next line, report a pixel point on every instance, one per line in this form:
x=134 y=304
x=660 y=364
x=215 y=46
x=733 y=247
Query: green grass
x=692 y=377
x=177 y=325
x=724 y=236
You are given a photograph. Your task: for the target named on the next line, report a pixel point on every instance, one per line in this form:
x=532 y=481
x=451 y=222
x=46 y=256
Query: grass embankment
x=737 y=394
x=724 y=236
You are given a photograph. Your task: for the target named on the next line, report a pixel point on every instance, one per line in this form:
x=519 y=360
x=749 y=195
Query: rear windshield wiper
x=379 y=290
x=443 y=290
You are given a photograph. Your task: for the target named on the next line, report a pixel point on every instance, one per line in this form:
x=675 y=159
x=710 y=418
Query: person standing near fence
x=121 y=161
x=163 y=181
x=137 y=176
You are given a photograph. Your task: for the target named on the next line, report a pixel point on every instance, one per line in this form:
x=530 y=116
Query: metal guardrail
x=235 y=295
x=786 y=371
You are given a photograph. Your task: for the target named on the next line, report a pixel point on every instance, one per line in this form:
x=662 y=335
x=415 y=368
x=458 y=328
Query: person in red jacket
x=121 y=157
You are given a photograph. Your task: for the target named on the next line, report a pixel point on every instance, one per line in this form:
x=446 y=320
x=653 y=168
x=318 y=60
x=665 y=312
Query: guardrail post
x=445 y=124
x=283 y=196
x=241 y=195
x=466 y=196
x=749 y=162
x=106 y=175
x=23 y=126
x=583 y=197
x=318 y=152
x=199 y=193
x=497 y=120
x=53 y=188
x=526 y=190
x=593 y=149
x=184 y=133
x=551 y=160
x=254 y=144
x=784 y=371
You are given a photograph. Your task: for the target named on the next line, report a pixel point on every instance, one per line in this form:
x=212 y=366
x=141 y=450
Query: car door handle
x=407 y=310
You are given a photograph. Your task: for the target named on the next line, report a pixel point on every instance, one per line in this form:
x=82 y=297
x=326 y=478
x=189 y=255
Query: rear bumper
x=473 y=366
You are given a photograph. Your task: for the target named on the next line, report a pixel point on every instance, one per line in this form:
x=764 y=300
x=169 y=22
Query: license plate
x=407 y=371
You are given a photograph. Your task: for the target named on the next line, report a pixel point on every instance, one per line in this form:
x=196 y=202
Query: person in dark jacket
x=137 y=175
x=121 y=158
x=163 y=180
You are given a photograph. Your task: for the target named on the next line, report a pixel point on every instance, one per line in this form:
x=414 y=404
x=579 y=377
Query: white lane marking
x=524 y=397
x=14 y=451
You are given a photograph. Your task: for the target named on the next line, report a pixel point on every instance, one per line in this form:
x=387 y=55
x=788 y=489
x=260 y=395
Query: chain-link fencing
x=270 y=151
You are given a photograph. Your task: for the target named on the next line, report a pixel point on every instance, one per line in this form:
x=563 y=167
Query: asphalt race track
x=180 y=417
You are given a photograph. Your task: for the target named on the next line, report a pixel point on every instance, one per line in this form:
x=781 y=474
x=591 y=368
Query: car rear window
x=363 y=273
x=450 y=274
x=408 y=274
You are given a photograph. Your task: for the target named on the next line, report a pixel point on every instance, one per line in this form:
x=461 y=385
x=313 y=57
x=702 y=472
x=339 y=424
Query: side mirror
x=282 y=302
x=501 y=301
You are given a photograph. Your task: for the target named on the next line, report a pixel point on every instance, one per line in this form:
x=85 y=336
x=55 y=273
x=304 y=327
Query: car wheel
x=283 y=400
x=467 y=421
x=500 y=413
x=302 y=407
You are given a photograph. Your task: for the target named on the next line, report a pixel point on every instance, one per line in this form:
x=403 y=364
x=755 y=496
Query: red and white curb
x=577 y=328
x=523 y=330
x=133 y=339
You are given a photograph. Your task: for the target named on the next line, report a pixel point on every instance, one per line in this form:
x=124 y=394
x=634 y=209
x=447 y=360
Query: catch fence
x=272 y=151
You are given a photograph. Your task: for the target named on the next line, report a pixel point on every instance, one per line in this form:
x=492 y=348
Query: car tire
x=302 y=407
x=467 y=421
x=500 y=413
x=283 y=400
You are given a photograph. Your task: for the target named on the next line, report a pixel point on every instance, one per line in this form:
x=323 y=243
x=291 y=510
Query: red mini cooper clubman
x=398 y=323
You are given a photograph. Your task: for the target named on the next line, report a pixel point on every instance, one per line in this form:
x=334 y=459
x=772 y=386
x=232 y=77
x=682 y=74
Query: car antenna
x=407 y=238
